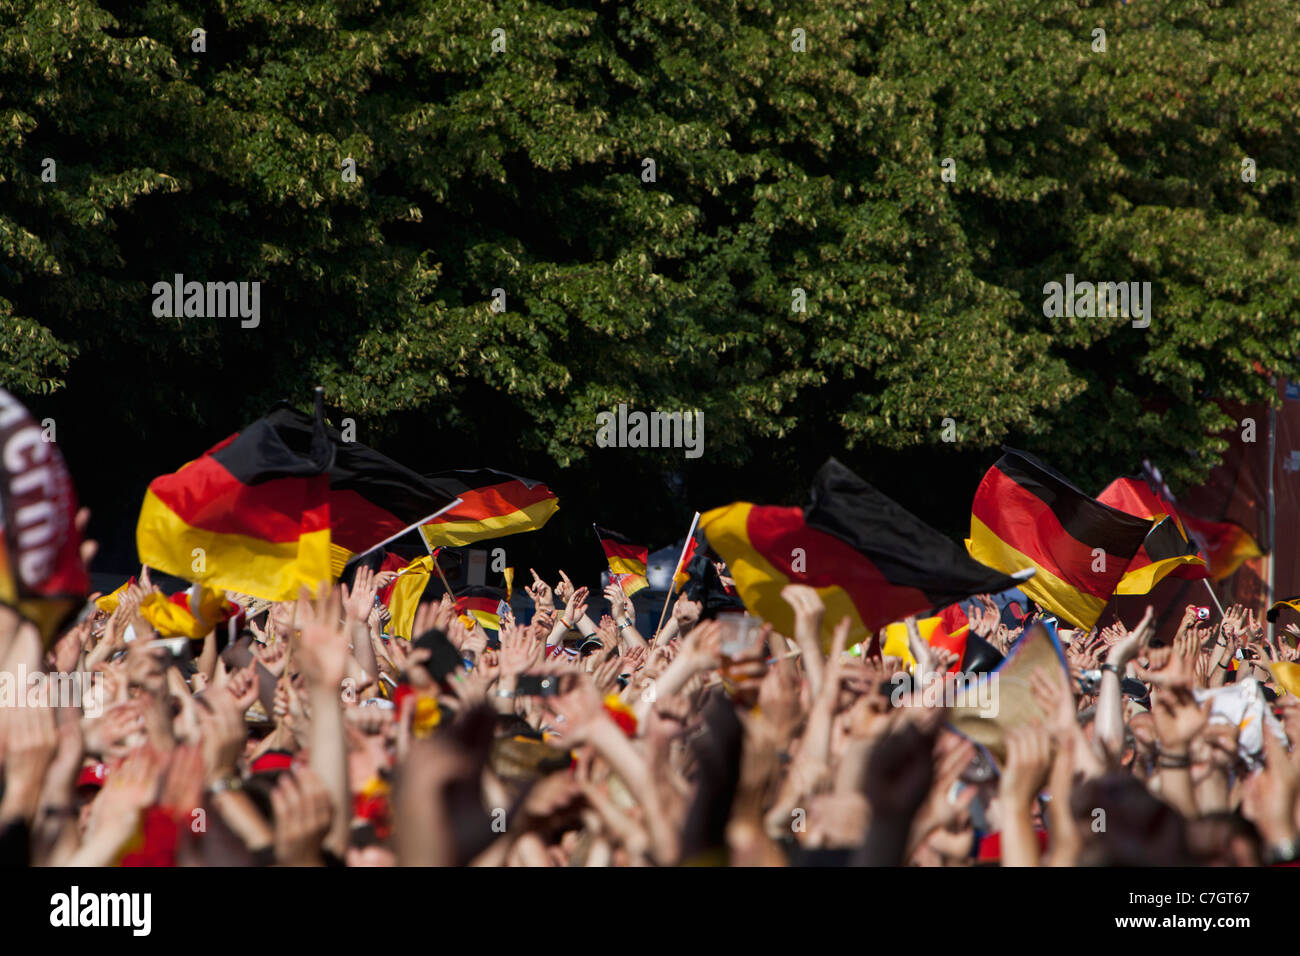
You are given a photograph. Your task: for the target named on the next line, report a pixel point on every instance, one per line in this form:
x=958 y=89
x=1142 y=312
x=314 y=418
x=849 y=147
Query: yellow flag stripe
x=457 y=534
x=760 y=583
x=1056 y=595
x=264 y=569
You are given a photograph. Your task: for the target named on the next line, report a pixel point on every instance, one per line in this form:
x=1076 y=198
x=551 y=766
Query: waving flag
x=285 y=502
x=482 y=604
x=1166 y=550
x=627 y=561
x=190 y=613
x=252 y=514
x=493 y=504
x=405 y=592
x=41 y=574
x=1226 y=545
x=681 y=575
x=869 y=559
x=372 y=498
x=1027 y=515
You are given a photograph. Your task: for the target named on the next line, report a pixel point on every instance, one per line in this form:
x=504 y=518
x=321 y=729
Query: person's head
x=1122 y=823
x=1224 y=839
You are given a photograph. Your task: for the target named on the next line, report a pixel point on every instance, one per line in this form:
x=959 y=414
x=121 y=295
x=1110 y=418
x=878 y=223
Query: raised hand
x=575 y=711
x=1178 y=717
x=242 y=687
x=1174 y=665
x=575 y=607
x=273 y=657
x=322 y=648
x=686 y=613
x=519 y=650
x=361 y=599
x=221 y=733
x=540 y=592
x=617 y=602
x=28 y=742
x=1135 y=641
x=1029 y=757
x=303 y=812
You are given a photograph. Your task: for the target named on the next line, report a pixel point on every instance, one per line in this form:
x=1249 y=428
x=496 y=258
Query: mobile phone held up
x=542 y=685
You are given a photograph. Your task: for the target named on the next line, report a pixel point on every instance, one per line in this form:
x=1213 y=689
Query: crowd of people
x=312 y=735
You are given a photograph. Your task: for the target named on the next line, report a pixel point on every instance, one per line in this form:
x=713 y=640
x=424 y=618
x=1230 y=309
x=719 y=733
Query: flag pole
x=433 y=553
x=1213 y=597
x=411 y=527
x=672 y=585
x=1272 y=510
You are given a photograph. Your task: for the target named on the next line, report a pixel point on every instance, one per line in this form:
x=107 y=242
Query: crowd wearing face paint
x=313 y=736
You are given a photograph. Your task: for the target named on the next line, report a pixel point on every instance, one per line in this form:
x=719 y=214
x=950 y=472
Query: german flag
x=266 y=504
x=869 y=559
x=681 y=575
x=1166 y=551
x=1027 y=515
x=493 y=504
x=373 y=499
x=191 y=613
x=108 y=602
x=627 y=561
x=405 y=592
x=1226 y=545
x=482 y=604
x=251 y=515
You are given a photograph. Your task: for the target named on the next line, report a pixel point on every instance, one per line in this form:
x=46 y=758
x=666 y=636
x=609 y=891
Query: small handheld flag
x=627 y=561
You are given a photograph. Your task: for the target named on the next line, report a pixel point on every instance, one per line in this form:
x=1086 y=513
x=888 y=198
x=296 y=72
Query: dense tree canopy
x=776 y=169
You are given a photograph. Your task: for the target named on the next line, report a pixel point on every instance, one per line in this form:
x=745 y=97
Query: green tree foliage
x=776 y=170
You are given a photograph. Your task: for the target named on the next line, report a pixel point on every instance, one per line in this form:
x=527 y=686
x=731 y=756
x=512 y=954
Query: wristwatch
x=232 y=782
x=1284 y=851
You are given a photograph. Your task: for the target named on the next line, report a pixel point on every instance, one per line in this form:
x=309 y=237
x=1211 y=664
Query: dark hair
x=1140 y=829
x=258 y=786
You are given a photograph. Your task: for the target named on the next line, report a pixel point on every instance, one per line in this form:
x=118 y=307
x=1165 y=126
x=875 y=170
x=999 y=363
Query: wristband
x=1112 y=668
x=1168 y=761
x=500 y=692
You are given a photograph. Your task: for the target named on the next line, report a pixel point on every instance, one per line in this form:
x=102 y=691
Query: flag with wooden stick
x=627 y=560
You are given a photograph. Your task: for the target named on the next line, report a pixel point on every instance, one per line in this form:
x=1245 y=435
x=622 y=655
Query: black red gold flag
x=1027 y=515
x=1166 y=551
x=493 y=504
x=870 y=560
x=251 y=515
x=627 y=560
x=481 y=604
x=284 y=503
